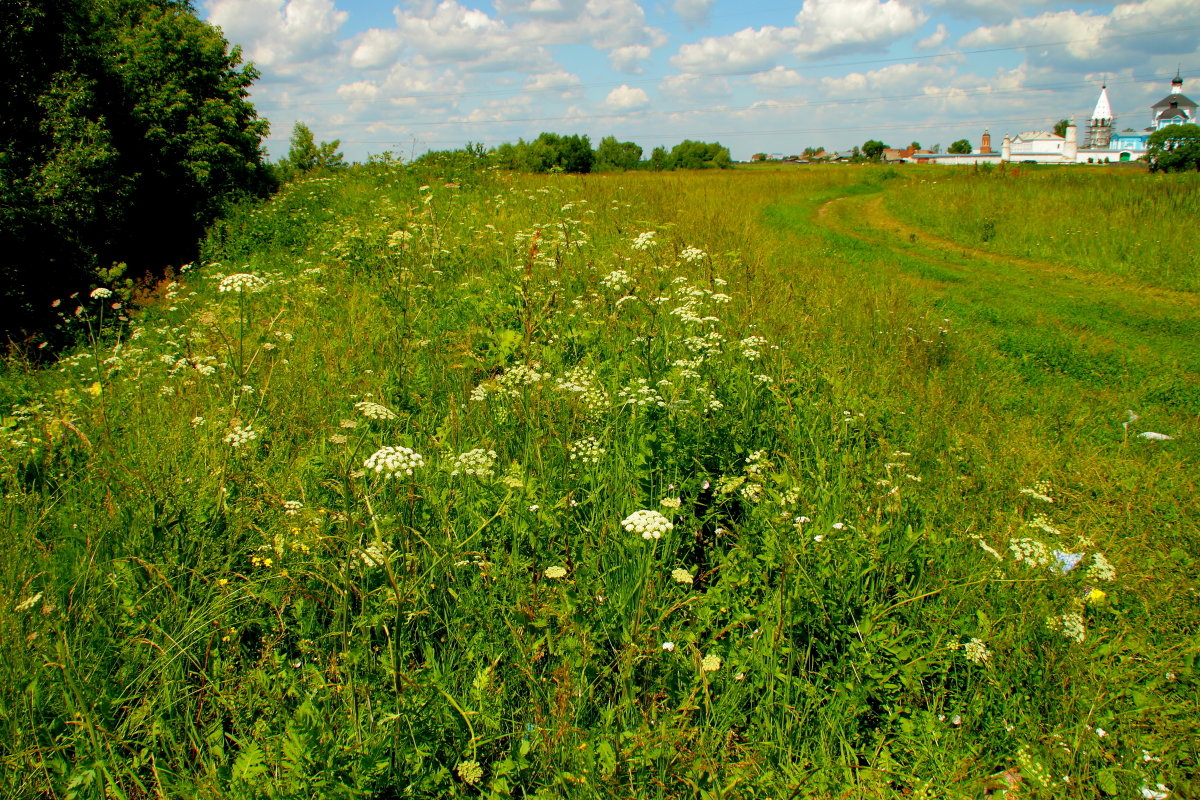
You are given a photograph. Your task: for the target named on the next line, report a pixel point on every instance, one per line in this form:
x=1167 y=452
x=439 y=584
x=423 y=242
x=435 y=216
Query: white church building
x=1101 y=144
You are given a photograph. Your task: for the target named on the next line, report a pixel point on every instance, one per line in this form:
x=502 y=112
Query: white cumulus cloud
x=935 y=39
x=748 y=50
x=778 y=78
x=689 y=86
x=836 y=27
x=279 y=35
x=626 y=98
x=567 y=84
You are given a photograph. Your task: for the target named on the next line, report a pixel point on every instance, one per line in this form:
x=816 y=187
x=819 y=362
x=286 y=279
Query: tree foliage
x=659 y=159
x=549 y=152
x=614 y=155
x=699 y=155
x=1175 y=148
x=961 y=147
x=306 y=155
x=1060 y=127
x=124 y=128
x=873 y=149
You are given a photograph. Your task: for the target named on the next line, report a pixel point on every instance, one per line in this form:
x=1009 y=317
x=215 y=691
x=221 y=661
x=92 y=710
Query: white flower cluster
x=704 y=346
x=520 y=375
x=101 y=293
x=1031 y=551
x=757 y=463
x=374 y=410
x=644 y=241
x=1040 y=491
x=399 y=239
x=976 y=652
x=641 y=394
x=751 y=347
x=617 y=280
x=292 y=507
x=692 y=254
x=586 y=451
x=648 y=523
x=372 y=556
x=1101 y=569
x=584 y=383
x=240 y=436
x=391 y=461
x=753 y=492
x=554 y=573
x=681 y=576
x=671 y=502
x=1069 y=625
x=710 y=663
x=241 y=282
x=478 y=462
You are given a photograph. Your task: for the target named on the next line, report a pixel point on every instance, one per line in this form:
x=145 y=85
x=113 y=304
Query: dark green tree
x=124 y=129
x=699 y=155
x=873 y=149
x=548 y=152
x=1175 y=148
x=961 y=147
x=915 y=146
x=614 y=155
x=1060 y=127
x=660 y=159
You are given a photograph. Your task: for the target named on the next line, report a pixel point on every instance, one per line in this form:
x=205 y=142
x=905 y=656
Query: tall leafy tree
x=550 y=151
x=306 y=155
x=873 y=149
x=689 y=154
x=1175 y=148
x=124 y=128
x=614 y=155
x=961 y=147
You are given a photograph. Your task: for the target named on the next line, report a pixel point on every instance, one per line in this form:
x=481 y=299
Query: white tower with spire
x=1100 y=126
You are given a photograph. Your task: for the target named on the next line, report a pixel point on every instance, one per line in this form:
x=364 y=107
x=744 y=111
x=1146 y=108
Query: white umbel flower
x=478 y=462
x=391 y=461
x=374 y=410
x=241 y=282
x=650 y=524
x=240 y=435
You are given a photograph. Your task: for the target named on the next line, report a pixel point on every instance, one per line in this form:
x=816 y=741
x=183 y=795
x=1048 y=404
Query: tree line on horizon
x=552 y=152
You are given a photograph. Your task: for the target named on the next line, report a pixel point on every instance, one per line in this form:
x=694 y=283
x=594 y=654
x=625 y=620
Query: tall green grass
x=217 y=581
x=1118 y=222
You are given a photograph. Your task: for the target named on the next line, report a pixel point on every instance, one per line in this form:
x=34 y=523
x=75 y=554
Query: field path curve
x=864 y=217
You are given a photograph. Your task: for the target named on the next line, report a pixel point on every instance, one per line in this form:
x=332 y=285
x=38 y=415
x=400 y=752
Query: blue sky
x=769 y=77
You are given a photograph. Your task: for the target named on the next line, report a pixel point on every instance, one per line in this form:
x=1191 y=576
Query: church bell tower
x=1100 y=126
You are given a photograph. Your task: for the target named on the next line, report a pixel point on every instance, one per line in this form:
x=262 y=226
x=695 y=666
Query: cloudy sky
x=767 y=76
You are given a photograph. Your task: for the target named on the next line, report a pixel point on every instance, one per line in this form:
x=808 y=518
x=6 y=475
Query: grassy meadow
x=437 y=481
